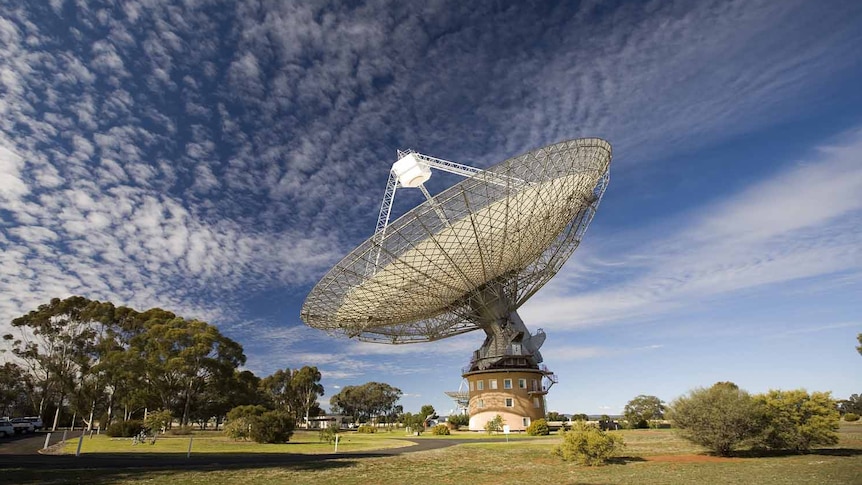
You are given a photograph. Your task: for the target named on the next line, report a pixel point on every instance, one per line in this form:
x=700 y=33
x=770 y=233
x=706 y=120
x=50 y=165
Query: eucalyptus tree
x=58 y=344
x=181 y=357
x=15 y=390
x=369 y=400
x=306 y=386
x=278 y=388
x=222 y=395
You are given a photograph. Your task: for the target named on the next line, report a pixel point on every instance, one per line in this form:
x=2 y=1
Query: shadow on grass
x=624 y=460
x=157 y=474
x=784 y=453
x=99 y=468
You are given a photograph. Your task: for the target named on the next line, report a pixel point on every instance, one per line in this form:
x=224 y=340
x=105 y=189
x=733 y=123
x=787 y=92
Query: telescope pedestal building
x=517 y=395
x=505 y=375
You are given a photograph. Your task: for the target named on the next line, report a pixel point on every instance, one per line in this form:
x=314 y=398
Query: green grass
x=651 y=457
x=305 y=442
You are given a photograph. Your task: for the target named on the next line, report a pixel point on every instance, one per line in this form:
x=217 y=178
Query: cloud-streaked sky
x=216 y=158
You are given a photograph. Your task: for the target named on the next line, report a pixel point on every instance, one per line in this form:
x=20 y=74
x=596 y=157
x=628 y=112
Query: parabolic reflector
x=498 y=235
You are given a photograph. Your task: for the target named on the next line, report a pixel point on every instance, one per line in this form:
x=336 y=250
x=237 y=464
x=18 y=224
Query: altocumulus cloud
x=800 y=223
x=173 y=153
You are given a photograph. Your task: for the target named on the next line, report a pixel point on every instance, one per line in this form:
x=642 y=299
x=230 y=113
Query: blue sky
x=216 y=158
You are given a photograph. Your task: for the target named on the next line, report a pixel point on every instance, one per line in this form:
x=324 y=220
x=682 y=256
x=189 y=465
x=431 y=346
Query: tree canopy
x=367 y=401
x=95 y=359
x=643 y=409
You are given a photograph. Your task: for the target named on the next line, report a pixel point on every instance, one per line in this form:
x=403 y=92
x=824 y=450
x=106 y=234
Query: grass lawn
x=305 y=442
x=651 y=457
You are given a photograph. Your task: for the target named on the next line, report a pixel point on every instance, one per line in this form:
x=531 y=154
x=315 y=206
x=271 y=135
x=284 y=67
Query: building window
x=526 y=421
x=535 y=387
x=492 y=383
x=507 y=383
x=480 y=403
x=522 y=383
x=472 y=386
x=509 y=402
x=480 y=385
x=537 y=403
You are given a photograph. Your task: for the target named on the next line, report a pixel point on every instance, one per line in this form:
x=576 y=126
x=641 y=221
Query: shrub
x=850 y=417
x=588 y=445
x=366 y=428
x=720 y=418
x=328 y=433
x=458 y=420
x=239 y=421
x=440 y=430
x=538 y=427
x=158 y=421
x=125 y=429
x=272 y=427
x=796 y=420
x=494 y=425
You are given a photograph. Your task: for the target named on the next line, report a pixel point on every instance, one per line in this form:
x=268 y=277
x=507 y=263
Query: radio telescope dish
x=467 y=259
x=478 y=249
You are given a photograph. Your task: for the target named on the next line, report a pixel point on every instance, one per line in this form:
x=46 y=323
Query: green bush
x=440 y=430
x=538 y=427
x=239 y=421
x=125 y=429
x=328 y=433
x=158 y=421
x=850 y=417
x=588 y=445
x=366 y=428
x=458 y=420
x=272 y=427
x=796 y=420
x=721 y=418
x=494 y=425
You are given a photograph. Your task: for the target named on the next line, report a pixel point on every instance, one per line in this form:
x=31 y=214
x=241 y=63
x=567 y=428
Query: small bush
x=440 y=430
x=850 y=417
x=538 y=427
x=272 y=427
x=797 y=420
x=328 y=433
x=158 y=421
x=366 y=428
x=588 y=445
x=494 y=425
x=239 y=421
x=125 y=429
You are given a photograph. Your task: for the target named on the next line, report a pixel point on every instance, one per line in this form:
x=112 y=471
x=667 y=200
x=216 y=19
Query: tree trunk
x=92 y=411
x=57 y=412
x=187 y=405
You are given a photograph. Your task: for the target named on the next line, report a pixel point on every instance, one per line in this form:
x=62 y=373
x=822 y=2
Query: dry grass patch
x=653 y=457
